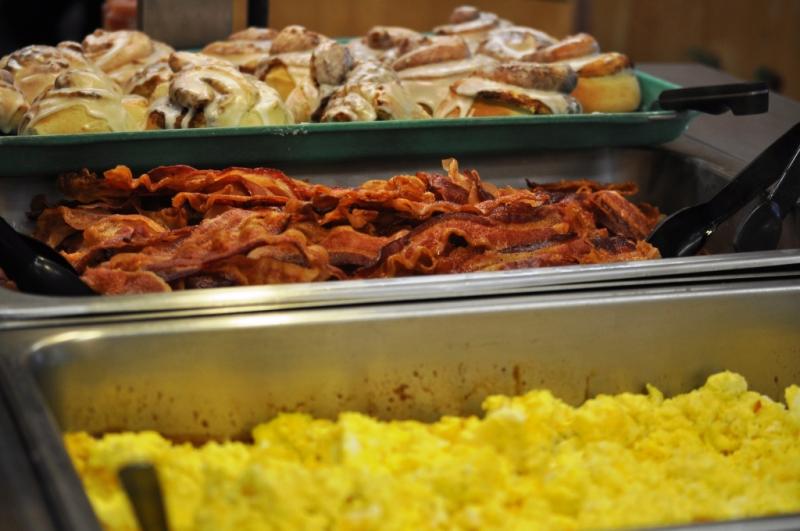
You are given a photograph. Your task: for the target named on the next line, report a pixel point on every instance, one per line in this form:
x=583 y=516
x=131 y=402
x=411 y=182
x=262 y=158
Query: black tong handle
x=759 y=175
x=739 y=98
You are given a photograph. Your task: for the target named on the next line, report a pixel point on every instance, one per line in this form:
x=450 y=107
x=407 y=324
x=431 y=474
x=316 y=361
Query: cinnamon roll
x=35 y=68
x=472 y=24
x=122 y=53
x=253 y=33
x=385 y=43
x=428 y=71
x=211 y=94
x=372 y=91
x=246 y=55
x=289 y=63
x=83 y=101
x=12 y=104
x=514 y=43
x=606 y=81
x=513 y=89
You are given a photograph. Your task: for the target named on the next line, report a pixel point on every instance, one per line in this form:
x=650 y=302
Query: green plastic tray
x=273 y=145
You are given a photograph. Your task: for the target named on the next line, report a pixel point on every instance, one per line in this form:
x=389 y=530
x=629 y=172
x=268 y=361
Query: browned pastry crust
x=571 y=47
x=244 y=54
x=330 y=63
x=539 y=76
x=122 y=53
x=440 y=49
x=605 y=64
x=295 y=39
x=254 y=33
x=514 y=43
x=388 y=37
x=468 y=19
x=372 y=91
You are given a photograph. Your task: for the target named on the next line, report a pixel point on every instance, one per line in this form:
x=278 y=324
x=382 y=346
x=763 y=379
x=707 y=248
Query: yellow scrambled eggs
x=532 y=462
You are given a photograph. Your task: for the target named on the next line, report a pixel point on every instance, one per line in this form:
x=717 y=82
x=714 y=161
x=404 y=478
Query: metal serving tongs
x=140 y=482
x=35 y=267
x=684 y=232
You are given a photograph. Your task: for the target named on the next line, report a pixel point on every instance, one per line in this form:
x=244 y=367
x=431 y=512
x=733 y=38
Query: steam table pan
x=331 y=142
x=215 y=377
x=667 y=178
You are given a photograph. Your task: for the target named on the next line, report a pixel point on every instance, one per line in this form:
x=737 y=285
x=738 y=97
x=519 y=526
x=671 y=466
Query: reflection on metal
x=215 y=377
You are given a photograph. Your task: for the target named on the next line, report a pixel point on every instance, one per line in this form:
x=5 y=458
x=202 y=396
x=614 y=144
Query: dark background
x=24 y=22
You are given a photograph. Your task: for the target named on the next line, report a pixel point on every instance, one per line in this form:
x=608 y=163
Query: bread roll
x=372 y=91
x=471 y=24
x=512 y=89
x=428 y=71
x=212 y=94
x=83 y=101
x=35 y=68
x=122 y=53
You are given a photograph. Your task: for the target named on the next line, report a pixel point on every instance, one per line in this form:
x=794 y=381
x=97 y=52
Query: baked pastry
x=289 y=63
x=472 y=24
x=513 y=89
x=606 y=81
x=205 y=92
x=372 y=91
x=122 y=53
x=83 y=101
x=429 y=70
x=35 y=68
x=514 y=43
x=246 y=55
x=385 y=43
x=12 y=104
x=245 y=49
x=253 y=33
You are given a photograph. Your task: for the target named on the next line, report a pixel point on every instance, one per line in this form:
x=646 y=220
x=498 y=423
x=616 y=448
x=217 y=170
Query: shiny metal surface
x=215 y=377
x=686 y=173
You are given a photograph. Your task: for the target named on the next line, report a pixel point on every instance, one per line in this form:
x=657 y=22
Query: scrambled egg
x=533 y=462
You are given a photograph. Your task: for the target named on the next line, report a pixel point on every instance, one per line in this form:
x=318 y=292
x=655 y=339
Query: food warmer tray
x=22 y=156
x=686 y=173
x=217 y=376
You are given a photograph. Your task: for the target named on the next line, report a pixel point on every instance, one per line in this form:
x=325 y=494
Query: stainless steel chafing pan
x=215 y=377
x=670 y=178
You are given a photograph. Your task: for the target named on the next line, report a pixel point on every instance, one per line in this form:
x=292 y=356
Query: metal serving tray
x=670 y=178
x=216 y=377
x=23 y=156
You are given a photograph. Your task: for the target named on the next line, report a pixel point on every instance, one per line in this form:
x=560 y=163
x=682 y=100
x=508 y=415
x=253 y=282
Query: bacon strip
x=177 y=227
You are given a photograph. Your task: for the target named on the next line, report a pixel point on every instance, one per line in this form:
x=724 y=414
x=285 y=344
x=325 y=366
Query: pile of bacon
x=181 y=228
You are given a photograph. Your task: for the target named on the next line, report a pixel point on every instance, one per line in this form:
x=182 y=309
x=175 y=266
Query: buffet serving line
x=492 y=294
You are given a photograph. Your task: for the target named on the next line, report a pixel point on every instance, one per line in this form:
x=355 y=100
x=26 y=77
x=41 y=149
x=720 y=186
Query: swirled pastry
x=428 y=71
x=513 y=89
x=122 y=53
x=214 y=95
x=253 y=33
x=12 y=104
x=153 y=81
x=83 y=101
x=606 y=81
x=35 y=68
x=385 y=43
x=472 y=24
x=289 y=63
x=371 y=92
x=514 y=43
x=246 y=55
